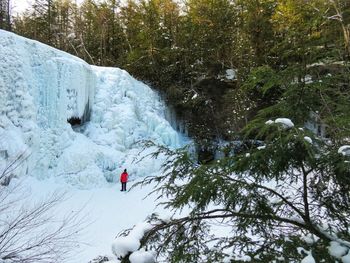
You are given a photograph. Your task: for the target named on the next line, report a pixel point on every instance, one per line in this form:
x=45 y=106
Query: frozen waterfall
x=41 y=88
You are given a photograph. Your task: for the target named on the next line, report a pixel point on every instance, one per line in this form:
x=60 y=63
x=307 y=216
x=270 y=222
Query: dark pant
x=123 y=186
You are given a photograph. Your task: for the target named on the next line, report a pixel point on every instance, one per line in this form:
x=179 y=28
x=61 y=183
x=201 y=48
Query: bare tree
x=5 y=22
x=339 y=16
x=11 y=165
x=31 y=231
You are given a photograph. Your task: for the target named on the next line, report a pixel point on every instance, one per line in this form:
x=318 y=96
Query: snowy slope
x=41 y=88
x=106 y=210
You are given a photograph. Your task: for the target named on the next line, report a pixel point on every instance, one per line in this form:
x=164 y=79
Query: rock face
x=45 y=92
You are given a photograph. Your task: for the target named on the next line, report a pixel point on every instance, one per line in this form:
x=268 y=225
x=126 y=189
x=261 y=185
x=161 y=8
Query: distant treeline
x=217 y=62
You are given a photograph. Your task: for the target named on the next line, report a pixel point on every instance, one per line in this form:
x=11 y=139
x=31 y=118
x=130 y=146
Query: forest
x=217 y=63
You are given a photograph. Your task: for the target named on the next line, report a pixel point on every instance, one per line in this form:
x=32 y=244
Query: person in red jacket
x=124 y=179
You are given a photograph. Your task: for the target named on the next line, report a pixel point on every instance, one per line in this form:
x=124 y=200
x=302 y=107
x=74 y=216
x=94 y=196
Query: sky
x=19 y=6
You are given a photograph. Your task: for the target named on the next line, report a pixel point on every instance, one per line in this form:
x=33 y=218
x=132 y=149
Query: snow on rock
x=41 y=88
x=287 y=123
x=336 y=250
x=344 y=150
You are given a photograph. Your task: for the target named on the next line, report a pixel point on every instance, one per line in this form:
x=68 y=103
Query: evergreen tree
x=38 y=22
x=258 y=28
x=268 y=201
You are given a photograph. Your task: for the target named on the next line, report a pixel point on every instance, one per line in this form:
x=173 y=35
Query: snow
x=230 y=74
x=308 y=259
x=336 y=250
x=346 y=258
x=308 y=79
x=130 y=243
x=344 y=150
x=310 y=239
x=142 y=256
x=308 y=139
x=122 y=245
x=287 y=123
x=244 y=259
x=42 y=87
x=107 y=210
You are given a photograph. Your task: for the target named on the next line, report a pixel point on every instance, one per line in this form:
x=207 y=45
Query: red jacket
x=124 y=177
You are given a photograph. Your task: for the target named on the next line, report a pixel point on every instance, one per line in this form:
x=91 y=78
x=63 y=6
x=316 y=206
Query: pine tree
x=266 y=201
x=258 y=28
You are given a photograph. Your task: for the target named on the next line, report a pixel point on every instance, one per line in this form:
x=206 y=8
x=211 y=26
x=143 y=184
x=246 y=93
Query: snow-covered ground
x=106 y=211
x=40 y=89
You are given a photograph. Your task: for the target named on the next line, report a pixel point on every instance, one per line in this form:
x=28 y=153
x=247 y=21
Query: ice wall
x=49 y=83
x=41 y=87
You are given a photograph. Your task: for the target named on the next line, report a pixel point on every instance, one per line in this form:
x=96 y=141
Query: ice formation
x=42 y=88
